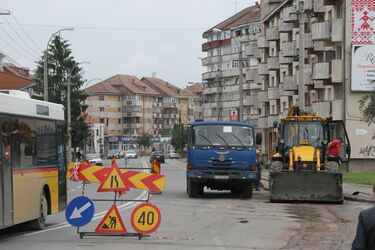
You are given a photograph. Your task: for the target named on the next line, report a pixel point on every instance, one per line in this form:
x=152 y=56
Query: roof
x=196 y=87
x=275 y=10
x=9 y=81
x=248 y=15
x=222 y=123
x=164 y=87
x=119 y=84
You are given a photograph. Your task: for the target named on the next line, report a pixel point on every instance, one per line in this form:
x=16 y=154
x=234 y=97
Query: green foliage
x=144 y=140
x=178 y=136
x=60 y=64
x=367 y=107
x=359 y=178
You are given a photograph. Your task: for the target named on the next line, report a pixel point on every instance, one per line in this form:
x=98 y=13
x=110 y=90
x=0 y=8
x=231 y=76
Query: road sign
x=113 y=181
x=233 y=116
x=111 y=222
x=145 y=218
x=79 y=211
x=130 y=178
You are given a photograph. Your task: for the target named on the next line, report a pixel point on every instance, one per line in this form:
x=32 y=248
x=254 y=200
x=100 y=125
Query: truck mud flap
x=306 y=186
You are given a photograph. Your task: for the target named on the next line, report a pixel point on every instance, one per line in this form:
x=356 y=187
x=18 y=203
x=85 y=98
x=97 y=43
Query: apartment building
x=129 y=107
x=196 y=103
x=225 y=42
x=273 y=78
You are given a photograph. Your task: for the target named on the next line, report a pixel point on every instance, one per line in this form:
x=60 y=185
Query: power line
x=10 y=59
x=15 y=42
x=20 y=37
x=10 y=46
x=117 y=28
x=24 y=31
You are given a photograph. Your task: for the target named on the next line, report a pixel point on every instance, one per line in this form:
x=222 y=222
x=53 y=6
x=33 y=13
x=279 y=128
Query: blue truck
x=222 y=156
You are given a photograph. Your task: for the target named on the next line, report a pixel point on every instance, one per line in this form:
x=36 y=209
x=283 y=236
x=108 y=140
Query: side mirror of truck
x=258 y=138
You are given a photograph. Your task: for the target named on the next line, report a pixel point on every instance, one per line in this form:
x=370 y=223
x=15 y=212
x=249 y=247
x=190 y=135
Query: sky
x=132 y=37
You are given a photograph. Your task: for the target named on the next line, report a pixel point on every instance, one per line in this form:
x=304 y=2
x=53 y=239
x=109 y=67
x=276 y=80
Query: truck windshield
x=223 y=135
x=303 y=133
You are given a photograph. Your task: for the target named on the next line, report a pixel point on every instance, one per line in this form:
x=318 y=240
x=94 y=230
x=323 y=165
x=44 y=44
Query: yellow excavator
x=301 y=169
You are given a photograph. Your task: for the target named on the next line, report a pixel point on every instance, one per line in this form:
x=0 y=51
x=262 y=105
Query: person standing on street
x=365 y=237
x=334 y=150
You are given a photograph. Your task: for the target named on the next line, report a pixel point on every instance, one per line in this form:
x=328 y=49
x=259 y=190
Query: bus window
x=46 y=143
x=27 y=135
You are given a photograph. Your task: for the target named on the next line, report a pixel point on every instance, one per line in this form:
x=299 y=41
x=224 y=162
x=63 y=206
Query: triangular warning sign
x=112 y=181
x=111 y=222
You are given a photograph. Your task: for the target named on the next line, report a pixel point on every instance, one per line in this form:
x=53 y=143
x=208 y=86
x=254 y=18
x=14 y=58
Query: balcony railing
x=337 y=70
x=284 y=92
x=321 y=31
x=132 y=108
x=273 y=63
x=272 y=33
x=251 y=100
x=290 y=83
x=251 y=49
x=321 y=71
x=210 y=60
x=290 y=14
x=285 y=60
x=263 y=96
x=170 y=105
x=285 y=27
x=262 y=69
x=211 y=75
x=322 y=108
x=252 y=74
x=273 y=93
x=262 y=42
x=254 y=86
x=337 y=30
x=289 y=49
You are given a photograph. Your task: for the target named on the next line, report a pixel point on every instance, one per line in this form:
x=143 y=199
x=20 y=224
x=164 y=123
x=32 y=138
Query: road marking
x=175 y=165
x=97 y=216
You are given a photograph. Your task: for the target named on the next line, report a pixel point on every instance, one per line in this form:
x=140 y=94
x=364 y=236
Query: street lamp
x=69 y=118
x=92 y=79
x=240 y=68
x=45 y=58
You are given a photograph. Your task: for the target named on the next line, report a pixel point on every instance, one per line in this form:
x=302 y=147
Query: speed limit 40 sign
x=146 y=218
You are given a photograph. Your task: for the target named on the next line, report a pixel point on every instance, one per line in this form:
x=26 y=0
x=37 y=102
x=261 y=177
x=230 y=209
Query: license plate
x=223 y=177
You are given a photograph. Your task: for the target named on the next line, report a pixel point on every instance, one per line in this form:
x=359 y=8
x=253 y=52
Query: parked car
x=94 y=159
x=158 y=156
x=130 y=154
x=173 y=155
x=114 y=153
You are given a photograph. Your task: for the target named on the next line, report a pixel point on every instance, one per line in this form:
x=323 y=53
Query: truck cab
x=221 y=156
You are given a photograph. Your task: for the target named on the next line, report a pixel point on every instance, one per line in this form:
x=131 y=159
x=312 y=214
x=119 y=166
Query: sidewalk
x=352 y=192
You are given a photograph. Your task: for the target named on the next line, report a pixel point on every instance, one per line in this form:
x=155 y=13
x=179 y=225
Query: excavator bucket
x=305 y=186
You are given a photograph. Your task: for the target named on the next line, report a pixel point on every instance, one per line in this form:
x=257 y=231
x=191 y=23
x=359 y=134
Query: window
x=119 y=109
x=119 y=121
x=102 y=120
x=101 y=98
x=101 y=109
x=46 y=149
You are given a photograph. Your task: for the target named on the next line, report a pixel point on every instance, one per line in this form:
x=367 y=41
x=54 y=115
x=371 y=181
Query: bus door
x=6 y=193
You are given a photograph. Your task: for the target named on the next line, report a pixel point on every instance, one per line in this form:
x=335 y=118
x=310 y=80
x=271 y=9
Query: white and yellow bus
x=32 y=160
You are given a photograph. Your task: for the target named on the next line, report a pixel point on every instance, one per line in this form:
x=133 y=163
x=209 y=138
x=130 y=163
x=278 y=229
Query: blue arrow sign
x=79 y=211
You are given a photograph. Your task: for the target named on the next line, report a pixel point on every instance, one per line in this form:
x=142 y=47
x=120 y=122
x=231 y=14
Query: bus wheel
x=40 y=223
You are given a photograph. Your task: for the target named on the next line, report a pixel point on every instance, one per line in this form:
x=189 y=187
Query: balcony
x=170 y=105
x=211 y=90
x=251 y=49
x=251 y=100
x=157 y=126
x=156 y=115
x=156 y=109
x=272 y=33
x=134 y=125
x=283 y=92
x=211 y=75
x=262 y=42
x=290 y=83
x=215 y=44
x=289 y=49
x=254 y=86
x=272 y=119
x=252 y=74
x=307 y=76
x=285 y=27
x=289 y=14
x=171 y=116
x=132 y=108
x=322 y=108
x=263 y=96
x=273 y=93
x=262 y=69
x=284 y=60
x=230 y=72
x=319 y=6
x=210 y=60
x=308 y=5
x=337 y=70
x=273 y=63
x=320 y=71
x=321 y=31
x=308 y=41
x=262 y=122
x=337 y=30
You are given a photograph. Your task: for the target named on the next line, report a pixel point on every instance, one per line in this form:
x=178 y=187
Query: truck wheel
x=40 y=223
x=193 y=189
x=247 y=190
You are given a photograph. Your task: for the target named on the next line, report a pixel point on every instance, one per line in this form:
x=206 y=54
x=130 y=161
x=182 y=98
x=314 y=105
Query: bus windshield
x=303 y=133
x=223 y=135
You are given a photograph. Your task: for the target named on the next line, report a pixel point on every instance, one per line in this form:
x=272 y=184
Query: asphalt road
x=215 y=221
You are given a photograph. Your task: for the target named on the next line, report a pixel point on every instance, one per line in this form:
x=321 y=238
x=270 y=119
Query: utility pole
x=45 y=75
x=69 y=119
x=217 y=95
x=240 y=79
x=301 y=52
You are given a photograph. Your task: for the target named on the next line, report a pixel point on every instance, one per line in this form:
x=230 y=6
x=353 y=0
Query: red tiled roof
x=9 y=81
x=248 y=15
x=14 y=70
x=196 y=87
x=119 y=84
x=165 y=88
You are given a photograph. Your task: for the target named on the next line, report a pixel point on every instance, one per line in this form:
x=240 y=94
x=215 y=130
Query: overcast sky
x=135 y=37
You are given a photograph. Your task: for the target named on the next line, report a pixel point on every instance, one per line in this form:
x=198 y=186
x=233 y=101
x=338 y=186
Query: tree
x=367 y=108
x=60 y=64
x=178 y=136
